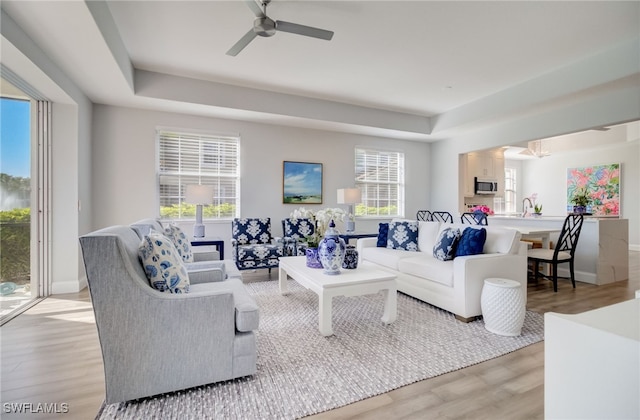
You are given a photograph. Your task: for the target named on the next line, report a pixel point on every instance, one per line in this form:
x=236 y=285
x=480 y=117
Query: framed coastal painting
x=602 y=185
x=301 y=183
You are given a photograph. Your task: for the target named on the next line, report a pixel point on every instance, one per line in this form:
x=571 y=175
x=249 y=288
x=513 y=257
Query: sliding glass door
x=23 y=179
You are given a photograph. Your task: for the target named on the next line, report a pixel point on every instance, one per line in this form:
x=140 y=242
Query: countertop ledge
x=549 y=218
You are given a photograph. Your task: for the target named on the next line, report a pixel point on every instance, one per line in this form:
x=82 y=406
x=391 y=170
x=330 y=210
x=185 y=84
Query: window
x=197 y=158
x=380 y=177
x=510 y=190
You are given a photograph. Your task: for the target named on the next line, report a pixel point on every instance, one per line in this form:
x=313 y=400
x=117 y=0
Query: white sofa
x=454 y=285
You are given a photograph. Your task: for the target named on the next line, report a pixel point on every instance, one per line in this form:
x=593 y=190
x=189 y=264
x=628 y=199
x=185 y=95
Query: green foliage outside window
x=362 y=210
x=184 y=210
x=15 y=257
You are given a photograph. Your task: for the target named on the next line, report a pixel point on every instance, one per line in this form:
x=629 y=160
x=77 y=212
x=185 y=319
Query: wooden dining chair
x=475 y=218
x=563 y=252
x=441 y=216
x=424 y=215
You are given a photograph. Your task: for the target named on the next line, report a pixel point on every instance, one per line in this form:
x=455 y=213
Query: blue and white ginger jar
x=331 y=250
x=350 y=258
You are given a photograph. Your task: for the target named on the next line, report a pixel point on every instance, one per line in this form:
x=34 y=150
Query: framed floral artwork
x=602 y=186
x=301 y=183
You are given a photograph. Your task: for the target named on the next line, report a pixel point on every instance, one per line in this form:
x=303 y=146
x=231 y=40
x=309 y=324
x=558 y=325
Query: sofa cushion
x=445 y=246
x=162 y=264
x=427 y=235
x=471 y=242
x=403 y=234
x=180 y=241
x=383 y=233
x=385 y=257
x=427 y=267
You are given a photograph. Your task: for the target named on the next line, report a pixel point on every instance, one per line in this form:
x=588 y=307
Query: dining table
x=536 y=232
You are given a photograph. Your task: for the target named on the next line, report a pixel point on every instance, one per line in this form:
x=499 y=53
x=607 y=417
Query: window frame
x=511 y=180
x=203 y=174
x=361 y=209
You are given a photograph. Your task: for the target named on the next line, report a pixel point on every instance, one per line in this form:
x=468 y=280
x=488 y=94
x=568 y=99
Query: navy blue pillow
x=383 y=232
x=445 y=246
x=403 y=234
x=471 y=242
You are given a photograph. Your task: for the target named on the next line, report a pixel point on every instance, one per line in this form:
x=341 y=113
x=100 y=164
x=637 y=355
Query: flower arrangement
x=537 y=208
x=581 y=197
x=484 y=209
x=321 y=219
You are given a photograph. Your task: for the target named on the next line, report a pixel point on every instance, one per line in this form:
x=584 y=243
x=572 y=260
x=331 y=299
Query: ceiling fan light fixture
x=264 y=26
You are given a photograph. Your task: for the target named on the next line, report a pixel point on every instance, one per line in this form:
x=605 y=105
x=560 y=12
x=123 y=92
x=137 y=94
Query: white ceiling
x=410 y=59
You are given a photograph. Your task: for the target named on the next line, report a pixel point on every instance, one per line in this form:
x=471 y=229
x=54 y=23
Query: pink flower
x=484 y=209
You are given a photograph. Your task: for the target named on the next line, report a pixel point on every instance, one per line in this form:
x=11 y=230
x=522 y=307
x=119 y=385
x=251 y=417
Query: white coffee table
x=364 y=280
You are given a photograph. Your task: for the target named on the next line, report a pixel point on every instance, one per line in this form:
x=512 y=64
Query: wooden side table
x=210 y=240
x=356 y=235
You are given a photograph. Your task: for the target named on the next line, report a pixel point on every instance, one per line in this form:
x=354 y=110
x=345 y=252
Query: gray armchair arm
x=206 y=271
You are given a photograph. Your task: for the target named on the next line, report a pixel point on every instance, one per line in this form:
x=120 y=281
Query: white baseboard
x=69 y=286
x=634 y=247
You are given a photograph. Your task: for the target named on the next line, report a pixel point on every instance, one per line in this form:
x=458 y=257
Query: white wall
x=70 y=151
x=548 y=176
x=603 y=108
x=124 y=165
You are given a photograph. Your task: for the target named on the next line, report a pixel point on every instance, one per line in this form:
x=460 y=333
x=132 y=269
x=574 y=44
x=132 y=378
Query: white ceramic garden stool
x=503 y=306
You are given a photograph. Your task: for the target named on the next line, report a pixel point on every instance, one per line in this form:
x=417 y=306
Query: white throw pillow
x=162 y=264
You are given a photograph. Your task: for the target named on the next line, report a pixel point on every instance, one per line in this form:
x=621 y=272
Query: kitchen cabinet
x=486 y=164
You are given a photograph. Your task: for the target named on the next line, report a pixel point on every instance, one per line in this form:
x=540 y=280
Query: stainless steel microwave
x=486 y=186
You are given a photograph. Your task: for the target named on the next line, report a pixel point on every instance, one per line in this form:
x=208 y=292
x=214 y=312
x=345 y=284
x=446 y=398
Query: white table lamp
x=349 y=196
x=199 y=195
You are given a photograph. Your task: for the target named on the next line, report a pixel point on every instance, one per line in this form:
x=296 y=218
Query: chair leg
x=555 y=277
x=573 y=277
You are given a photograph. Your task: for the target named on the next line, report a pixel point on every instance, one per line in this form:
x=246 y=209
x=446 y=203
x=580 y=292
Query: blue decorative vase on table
x=313 y=260
x=331 y=250
x=350 y=258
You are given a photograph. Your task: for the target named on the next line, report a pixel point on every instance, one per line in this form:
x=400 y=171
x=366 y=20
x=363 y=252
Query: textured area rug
x=301 y=372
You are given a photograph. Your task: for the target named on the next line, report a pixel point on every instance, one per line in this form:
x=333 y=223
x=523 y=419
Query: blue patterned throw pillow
x=445 y=246
x=162 y=264
x=471 y=242
x=403 y=235
x=180 y=241
x=383 y=233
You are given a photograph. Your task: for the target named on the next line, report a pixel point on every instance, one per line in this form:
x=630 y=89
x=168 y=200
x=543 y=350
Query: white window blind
x=380 y=177
x=195 y=158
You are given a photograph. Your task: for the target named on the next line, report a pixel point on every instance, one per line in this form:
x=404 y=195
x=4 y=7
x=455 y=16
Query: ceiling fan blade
x=294 y=28
x=255 y=8
x=244 y=41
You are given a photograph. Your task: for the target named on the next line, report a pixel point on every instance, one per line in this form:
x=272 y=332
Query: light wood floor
x=50 y=354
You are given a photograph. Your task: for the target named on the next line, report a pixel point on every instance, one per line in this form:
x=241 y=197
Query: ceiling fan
x=264 y=26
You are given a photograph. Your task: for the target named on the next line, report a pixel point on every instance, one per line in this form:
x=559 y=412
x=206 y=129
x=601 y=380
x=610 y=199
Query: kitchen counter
x=602 y=254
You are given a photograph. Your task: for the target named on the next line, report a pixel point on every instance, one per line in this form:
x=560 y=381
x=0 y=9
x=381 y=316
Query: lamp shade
x=199 y=194
x=349 y=196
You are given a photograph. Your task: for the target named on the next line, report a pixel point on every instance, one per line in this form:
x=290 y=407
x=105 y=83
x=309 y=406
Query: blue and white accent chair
x=295 y=233
x=252 y=244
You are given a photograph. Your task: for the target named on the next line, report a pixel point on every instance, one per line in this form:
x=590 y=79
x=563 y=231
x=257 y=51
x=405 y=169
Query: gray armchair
x=154 y=342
